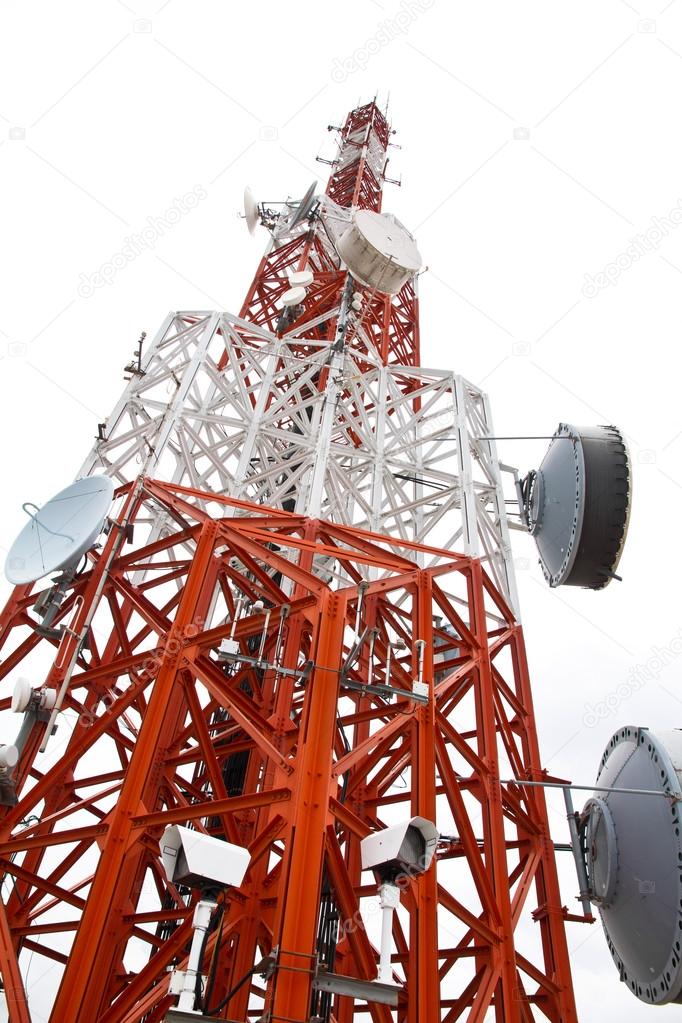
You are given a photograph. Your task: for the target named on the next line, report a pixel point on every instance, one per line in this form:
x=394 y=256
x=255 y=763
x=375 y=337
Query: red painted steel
x=290 y=750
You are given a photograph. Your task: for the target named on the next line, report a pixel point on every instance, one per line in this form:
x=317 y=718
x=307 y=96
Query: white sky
x=110 y=111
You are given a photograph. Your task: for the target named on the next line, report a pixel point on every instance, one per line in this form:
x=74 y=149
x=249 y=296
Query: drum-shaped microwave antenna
x=59 y=534
x=577 y=505
x=251 y=210
x=293 y=296
x=379 y=251
x=301 y=278
x=632 y=845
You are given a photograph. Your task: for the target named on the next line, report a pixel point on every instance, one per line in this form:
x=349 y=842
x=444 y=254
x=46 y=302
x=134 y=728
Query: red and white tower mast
x=299 y=628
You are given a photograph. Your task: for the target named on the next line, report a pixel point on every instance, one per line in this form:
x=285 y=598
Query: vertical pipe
x=580 y=867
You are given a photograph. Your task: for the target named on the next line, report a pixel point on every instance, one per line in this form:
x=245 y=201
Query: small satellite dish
x=301 y=278
x=60 y=533
x=21 y=696
x=251 y=210
x=633 y=850
x=294 y=296
x=305 y=206
x=577 y=505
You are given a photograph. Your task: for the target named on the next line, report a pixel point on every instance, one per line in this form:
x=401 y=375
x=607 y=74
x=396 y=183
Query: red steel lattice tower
x=299 y=627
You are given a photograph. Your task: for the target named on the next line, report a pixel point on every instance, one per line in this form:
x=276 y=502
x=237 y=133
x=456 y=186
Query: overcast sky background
x=538 y=139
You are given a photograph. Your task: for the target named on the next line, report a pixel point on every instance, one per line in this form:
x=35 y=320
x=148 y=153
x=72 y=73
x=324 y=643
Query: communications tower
x=294 y=632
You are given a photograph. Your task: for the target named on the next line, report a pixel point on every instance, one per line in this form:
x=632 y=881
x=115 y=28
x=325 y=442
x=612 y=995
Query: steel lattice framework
x=295 y=482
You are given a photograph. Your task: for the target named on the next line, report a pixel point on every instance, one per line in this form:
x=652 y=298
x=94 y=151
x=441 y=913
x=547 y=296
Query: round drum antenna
x=632 y=843
x=379 y=251
x=577 y=505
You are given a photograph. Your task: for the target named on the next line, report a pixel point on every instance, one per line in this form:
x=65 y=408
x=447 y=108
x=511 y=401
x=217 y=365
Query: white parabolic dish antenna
x=59 y=534
x=305 y=206
x=251 y=211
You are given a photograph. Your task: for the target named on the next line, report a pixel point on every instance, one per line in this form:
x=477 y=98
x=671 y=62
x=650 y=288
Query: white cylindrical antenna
x=21 y=697
x=301 y=278
x=293 y=296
